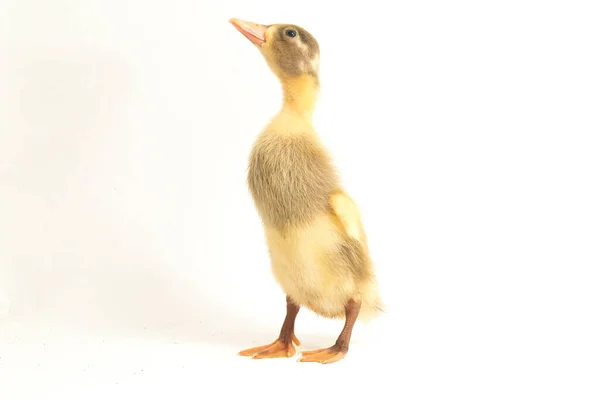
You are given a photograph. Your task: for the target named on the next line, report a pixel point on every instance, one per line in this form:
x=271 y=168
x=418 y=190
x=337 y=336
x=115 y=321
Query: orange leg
x=284 y=345
x=340 y=348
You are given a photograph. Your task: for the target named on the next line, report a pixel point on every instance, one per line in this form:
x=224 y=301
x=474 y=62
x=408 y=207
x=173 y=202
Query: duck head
x=290 y=50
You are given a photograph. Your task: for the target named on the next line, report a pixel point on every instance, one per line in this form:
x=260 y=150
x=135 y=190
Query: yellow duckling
x=313 y=230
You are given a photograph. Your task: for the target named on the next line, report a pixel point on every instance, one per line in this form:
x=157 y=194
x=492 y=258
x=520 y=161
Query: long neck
x=300 y=95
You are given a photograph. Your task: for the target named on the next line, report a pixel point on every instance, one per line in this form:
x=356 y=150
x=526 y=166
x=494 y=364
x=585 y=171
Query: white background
x=132 y=261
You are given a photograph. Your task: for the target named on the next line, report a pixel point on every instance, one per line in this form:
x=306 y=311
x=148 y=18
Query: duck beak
x=253 y=32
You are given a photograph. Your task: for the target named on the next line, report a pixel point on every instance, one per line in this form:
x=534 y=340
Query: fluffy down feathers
x=316 y=242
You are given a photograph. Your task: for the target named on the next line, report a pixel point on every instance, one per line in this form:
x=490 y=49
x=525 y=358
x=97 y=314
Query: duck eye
x=290 y=33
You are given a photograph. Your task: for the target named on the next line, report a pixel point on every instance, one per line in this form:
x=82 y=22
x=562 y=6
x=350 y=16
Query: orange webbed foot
x=277 y=349
x=324 y=356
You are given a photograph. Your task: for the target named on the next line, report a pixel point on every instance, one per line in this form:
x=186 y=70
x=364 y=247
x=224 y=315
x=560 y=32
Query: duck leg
x=284 y=345
x=340 y=348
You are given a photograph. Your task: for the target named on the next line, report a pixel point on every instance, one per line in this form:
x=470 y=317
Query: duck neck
x=300 y=95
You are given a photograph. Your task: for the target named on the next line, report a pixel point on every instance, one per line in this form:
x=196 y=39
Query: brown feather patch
x=291 y=178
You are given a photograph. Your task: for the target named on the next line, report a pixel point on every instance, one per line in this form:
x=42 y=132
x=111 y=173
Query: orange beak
x=253 y=32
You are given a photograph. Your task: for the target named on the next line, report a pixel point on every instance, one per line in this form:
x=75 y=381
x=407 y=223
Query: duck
x=314 y=233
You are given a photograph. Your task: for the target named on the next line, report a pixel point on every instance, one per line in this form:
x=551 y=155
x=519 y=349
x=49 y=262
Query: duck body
x=292 y=181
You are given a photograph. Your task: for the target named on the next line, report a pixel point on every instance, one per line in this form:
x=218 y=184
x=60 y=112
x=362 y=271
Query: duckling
x=313 y=230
